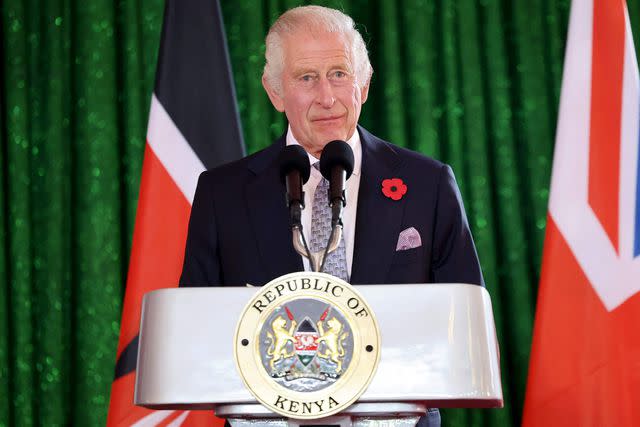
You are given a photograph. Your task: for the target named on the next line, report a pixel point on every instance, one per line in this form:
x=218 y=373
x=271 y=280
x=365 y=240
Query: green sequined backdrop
x=473 y=83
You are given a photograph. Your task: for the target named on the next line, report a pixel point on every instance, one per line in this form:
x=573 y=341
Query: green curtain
x=473 y=83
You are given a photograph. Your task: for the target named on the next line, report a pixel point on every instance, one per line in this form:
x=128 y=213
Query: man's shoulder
x=238 y=170
x=413 y=158
x=408 y=160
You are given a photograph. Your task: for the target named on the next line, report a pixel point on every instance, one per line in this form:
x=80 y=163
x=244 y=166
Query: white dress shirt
x=351 y=192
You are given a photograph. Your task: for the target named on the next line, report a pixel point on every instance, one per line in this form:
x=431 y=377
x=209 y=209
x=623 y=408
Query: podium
x=439 y=350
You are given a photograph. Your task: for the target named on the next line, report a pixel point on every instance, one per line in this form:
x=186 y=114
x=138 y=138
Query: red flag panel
x=586 y=369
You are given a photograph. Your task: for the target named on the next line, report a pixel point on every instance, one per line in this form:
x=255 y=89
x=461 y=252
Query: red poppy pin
x=394 y=188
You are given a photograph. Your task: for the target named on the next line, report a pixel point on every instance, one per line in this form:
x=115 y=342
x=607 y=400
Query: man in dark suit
x=318 y=74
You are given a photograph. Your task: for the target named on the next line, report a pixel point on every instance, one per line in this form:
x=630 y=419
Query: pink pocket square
x=408 y=239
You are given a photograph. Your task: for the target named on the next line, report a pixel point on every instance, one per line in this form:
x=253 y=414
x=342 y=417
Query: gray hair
x=314 y=18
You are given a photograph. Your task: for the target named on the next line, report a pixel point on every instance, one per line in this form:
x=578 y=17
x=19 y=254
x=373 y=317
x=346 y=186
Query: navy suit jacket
x=239 y=230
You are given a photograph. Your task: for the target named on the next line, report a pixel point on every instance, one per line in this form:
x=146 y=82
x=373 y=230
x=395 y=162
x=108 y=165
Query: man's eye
x=306 y=78
x=340 y=74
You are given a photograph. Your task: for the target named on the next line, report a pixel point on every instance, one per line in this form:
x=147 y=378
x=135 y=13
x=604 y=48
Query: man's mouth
x=328 y=119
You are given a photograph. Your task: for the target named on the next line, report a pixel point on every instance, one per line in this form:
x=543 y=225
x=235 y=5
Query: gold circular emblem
x=307 y=345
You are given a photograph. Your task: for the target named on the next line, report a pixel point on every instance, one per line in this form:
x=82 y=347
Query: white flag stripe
x=153 y=419
x=570 y=157
x=178 y=421
x=173 y=150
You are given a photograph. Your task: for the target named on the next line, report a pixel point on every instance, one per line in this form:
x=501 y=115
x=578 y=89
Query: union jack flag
x=585 y=359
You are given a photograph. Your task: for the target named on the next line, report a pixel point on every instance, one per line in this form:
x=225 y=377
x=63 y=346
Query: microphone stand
x=337 y=227
x=299 y=242
x=337 y=201
x=317 y=259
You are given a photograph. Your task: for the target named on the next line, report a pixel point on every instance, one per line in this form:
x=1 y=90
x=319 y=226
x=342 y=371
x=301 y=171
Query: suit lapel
x=265 y=197
x=378 y=218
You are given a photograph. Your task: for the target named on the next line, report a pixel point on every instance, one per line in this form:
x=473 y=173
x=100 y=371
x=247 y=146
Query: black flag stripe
x=194 y=82
x=127 y=361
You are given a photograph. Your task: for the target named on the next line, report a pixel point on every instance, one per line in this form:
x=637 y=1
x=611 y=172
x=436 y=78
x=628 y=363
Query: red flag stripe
x=122 y=412
x=158 y=250
x=606 y=106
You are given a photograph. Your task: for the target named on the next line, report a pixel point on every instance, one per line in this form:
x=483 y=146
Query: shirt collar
x=354 y=143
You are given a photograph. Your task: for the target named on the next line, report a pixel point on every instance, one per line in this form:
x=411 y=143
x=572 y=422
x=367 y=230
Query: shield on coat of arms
x=306 y=341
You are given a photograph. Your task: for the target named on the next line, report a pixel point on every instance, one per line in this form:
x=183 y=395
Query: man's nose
x=325 y=97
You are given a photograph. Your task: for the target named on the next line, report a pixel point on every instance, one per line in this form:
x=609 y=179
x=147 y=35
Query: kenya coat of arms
x=307 y=345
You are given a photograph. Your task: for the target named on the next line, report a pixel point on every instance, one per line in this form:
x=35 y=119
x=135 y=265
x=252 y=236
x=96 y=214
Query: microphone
x=336 y=166
x=294 y=172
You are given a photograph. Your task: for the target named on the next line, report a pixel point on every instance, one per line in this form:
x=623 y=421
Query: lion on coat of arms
x=333 y=339
x=278 y=340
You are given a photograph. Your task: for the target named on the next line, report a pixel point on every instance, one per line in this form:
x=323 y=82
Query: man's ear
x=276 y=99
x=364 y=91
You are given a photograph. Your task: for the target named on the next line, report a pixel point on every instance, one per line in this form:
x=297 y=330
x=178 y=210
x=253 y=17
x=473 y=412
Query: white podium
x=439 y=349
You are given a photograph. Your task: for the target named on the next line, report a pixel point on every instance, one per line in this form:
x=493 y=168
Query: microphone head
x=336 y=153
x=293 y=157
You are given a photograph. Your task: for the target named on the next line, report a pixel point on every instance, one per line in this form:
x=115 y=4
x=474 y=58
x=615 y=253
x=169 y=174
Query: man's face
x=319 y=92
